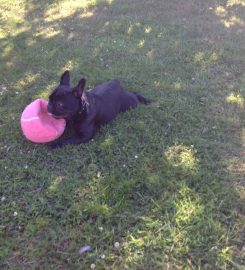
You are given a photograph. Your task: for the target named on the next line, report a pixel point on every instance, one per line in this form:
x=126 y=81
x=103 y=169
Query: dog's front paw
x=55 y=145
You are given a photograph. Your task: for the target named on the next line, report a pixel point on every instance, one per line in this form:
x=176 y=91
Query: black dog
x=87 y=111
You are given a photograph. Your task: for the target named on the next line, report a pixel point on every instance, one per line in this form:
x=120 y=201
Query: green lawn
x=165 y=182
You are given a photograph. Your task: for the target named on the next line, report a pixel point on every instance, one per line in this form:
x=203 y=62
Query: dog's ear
x=79 y=89
x=65 y=78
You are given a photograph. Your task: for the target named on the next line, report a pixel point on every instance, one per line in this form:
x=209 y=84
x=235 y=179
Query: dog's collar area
x=85 y=104
x=82 y=110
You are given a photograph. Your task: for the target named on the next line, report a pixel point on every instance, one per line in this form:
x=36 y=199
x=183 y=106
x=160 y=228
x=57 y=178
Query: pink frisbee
x=38 y=125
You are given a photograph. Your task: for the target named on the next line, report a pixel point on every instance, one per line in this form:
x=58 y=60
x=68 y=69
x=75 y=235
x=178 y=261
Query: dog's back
x=116 y=97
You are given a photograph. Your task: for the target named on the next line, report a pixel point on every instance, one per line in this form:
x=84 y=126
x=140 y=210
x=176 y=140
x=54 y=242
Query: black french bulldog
x=87 y=111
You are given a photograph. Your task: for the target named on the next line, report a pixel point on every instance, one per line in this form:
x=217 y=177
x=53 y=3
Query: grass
x=165 y=181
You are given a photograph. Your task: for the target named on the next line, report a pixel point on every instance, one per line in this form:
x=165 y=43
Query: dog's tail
x=142 y=99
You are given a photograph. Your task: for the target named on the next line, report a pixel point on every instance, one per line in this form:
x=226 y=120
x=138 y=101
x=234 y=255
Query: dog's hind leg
x=142 y=99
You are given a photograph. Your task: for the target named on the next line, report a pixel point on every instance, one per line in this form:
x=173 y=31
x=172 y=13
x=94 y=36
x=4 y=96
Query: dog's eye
x=59 y=104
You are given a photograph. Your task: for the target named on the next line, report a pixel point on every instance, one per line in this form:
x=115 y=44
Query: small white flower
x=210 y=8
x=15 y=214
x=5 y=167
x=98 y=174
x=16 y=92
x=92 y=266
x=101 y=229
x=116 y=244
x=13 y=118
x=124 y=165
x=102 y=256
x=26 y=167
x=3 y=198
x=193 y=78
x=136 y=156
x=4 y=88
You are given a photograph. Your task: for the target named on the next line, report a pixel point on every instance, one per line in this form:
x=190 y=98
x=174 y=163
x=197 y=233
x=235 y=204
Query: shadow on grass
x=160 y=186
